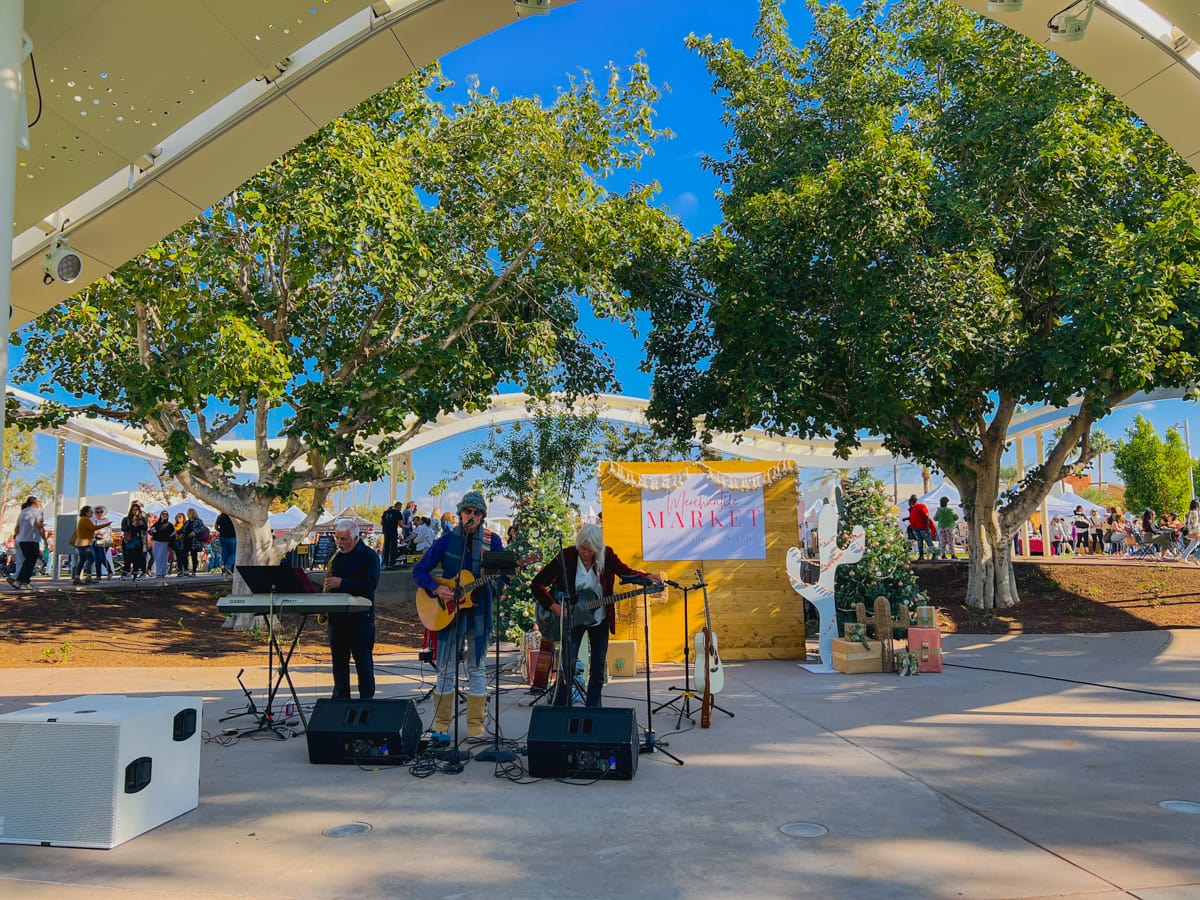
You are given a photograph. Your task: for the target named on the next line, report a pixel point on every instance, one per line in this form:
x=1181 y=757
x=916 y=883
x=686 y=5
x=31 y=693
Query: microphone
x=675 y=584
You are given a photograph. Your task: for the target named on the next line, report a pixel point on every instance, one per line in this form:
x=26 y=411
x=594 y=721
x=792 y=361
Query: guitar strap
x=454 y=560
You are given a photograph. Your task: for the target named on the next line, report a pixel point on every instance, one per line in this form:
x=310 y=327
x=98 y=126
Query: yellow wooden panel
x=755 y=612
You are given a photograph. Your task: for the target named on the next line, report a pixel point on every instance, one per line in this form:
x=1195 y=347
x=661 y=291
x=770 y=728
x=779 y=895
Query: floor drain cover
x=803 y=829
x=1185 y=806
x=347 y=830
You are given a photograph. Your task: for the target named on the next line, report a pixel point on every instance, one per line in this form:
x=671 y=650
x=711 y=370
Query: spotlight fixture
x=61 y=263
x=1066 y=26
x=1005 y=6
x=532 y=7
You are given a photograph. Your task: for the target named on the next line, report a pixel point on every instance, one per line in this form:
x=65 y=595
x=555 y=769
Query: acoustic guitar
x=540 y=676
x=710 y=676
x=436 y=613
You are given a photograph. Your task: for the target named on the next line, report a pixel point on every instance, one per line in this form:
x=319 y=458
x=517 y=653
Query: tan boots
x=475 y=707
x=443 y=709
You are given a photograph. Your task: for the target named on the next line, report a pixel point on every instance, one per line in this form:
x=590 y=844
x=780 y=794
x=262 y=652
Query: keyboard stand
x=266 y=721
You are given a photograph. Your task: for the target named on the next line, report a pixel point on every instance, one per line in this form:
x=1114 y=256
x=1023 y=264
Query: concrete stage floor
x=1033 y=767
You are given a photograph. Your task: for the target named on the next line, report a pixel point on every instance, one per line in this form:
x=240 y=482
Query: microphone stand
x=650 y=745
x=496 y=753
x=452 y=754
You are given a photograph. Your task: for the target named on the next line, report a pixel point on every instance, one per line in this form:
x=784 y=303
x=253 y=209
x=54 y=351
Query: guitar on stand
x=710 y=674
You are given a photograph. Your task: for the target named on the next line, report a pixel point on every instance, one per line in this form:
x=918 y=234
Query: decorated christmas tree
x=884 y=570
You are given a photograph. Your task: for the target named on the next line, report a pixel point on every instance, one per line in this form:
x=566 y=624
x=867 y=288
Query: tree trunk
x=991 y=583
x=255 y=547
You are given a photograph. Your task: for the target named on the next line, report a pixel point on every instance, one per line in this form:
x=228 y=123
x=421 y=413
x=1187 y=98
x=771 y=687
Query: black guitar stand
x=650 y=745
x=684 y=700
x=686 y=693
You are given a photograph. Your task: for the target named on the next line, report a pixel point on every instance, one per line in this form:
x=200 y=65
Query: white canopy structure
x=150 y=112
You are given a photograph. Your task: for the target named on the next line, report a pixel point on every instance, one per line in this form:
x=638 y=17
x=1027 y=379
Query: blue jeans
x=228 y=552
x=101 y=559
x=352 y=634
x=79 y=559
x=923 y=537
x=460 y=630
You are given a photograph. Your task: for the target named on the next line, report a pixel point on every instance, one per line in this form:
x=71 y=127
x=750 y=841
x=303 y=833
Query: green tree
x=884 y=570
x=1155 y=471
x=402 y=262
x=929 y=222
x=629 y=443
x=15 y=485
x=537 y=464
x=543 y=520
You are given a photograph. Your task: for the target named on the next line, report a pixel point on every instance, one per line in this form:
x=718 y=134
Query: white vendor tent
x=286 y=520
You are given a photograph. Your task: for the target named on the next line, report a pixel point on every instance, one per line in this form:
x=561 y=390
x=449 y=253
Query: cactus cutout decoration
x=885 y=626
x=821 y=594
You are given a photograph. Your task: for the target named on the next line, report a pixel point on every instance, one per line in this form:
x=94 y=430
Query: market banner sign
x=699 y=520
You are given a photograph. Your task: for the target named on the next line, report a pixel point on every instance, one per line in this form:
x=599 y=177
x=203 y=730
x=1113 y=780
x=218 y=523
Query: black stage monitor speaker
x=580 y=742
x=364 y=732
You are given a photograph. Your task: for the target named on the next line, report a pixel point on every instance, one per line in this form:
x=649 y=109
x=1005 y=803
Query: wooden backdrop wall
x=755 y=612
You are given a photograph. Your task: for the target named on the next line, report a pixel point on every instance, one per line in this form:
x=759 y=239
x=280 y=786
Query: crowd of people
x=406 y=532
x=141 y=545
x=1095 y=531
x=1113 y=532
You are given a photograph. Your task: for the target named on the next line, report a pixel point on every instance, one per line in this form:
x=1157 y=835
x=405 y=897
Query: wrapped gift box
x=854 y=631
x=926 y=645
x=927 y=617
x=622 y=658
x=852 y=658
x=906 y=664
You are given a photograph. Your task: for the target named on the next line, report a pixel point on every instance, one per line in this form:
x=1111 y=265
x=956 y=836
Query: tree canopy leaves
x=928 y=221
x=402 y=262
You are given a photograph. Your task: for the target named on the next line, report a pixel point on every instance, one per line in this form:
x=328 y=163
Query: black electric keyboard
x=307 y=604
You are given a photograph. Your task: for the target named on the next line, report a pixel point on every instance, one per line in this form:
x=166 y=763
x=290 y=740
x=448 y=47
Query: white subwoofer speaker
x=96 y=771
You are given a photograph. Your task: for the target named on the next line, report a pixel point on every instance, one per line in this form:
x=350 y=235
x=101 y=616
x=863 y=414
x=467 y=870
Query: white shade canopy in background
x=286 y=520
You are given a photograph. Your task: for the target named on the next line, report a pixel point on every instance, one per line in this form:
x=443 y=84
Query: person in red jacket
x=918 y=521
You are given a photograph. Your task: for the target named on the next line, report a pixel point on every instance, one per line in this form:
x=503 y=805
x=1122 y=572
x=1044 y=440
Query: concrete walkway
x=1033 y=767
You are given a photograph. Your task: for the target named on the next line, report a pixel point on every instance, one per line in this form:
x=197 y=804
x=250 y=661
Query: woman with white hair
x=590 y=570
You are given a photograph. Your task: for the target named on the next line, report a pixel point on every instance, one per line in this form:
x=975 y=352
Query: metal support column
x=12 y=111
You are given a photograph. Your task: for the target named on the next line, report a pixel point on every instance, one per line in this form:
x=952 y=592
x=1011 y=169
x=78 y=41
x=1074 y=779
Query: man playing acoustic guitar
x=590 y=569
x=460 y=550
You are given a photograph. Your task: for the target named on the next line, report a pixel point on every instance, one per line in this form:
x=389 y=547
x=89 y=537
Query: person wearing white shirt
x=423 y=539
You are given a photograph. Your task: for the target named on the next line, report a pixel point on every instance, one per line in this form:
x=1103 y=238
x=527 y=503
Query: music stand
x=272 y=580
x=277 y=580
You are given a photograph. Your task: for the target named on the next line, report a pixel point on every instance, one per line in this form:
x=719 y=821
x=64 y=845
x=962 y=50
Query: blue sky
x=535 y=56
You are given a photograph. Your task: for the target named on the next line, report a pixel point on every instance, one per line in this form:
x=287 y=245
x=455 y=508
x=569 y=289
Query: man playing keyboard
x=354 y=569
